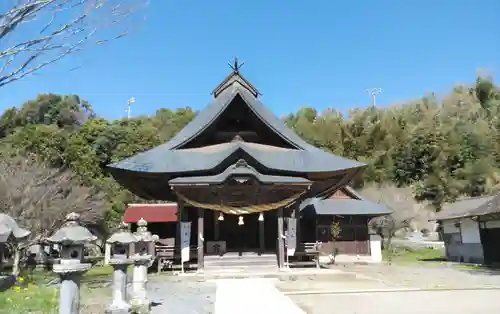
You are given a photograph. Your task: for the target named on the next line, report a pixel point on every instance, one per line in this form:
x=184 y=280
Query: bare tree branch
x=39 y=197
x=407 y=213
x=38 y=33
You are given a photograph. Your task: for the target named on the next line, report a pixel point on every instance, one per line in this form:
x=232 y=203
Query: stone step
x=223 y=264
x=240 y=267
x=240 y=258
x=234 y=263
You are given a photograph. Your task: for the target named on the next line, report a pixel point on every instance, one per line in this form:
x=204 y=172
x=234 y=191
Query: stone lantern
x=142 y=258
x=10 y=230
x=120 y=243
x=71 y=239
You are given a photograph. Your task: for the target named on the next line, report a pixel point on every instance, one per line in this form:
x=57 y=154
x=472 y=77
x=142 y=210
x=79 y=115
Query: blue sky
x=323 y=54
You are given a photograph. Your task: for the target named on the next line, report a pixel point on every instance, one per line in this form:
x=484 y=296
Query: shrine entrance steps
x=235 y=263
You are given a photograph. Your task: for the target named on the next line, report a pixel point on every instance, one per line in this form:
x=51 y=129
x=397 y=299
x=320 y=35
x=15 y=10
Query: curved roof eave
x=207 y=158
x=345 y=207
x=240 y=168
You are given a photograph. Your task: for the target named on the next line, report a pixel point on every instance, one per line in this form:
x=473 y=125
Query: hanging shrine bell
x=240 y=221
x=221 y=217
x=261 y=217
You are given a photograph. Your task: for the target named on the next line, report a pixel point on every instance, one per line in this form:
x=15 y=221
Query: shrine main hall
x=244 y=179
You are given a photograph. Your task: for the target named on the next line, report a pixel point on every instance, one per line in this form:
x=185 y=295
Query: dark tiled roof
x=241 y=168
x=353 y=192
x=219 y=104
x=343 y=207
x=146 y=172
x=470 y=207
x=163 y=160
x=235 y=76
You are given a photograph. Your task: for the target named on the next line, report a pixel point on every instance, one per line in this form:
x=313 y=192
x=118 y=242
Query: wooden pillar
x=180 y=214
x=281 y=244
x=262 y=244
x=216 y=226
x=201 y=239
x=297 y=230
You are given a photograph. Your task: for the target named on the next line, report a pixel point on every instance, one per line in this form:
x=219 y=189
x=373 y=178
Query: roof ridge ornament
x=235 y=78
x=237 y=138
x=241 y=163
x=235 y=65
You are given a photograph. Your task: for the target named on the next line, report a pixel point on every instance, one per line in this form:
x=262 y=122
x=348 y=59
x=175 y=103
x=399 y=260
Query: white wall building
x=471 y=230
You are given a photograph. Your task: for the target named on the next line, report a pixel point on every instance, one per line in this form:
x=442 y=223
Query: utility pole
x=129 y=104
x=373 y=93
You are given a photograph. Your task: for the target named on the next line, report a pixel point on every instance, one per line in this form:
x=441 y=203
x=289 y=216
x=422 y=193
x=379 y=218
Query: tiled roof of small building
x=151 y=213
x=470 y=207
x=343 y=207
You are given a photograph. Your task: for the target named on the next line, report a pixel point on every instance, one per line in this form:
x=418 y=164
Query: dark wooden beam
x=240 y=195
x=201 y=239
x=216 y=226
x=281 y=244
x=297 y=216
x=262 y=245
x=180 y=216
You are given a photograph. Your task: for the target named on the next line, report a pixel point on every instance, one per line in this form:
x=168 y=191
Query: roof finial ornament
x=237 y=138
x=236 y=66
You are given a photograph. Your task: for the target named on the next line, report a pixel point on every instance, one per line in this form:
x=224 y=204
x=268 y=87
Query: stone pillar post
x=376 y=248
x=139 y=301
x=118 y=254
x=107 y=253
x=119 y=304
x=142 y=259
x=69 y=295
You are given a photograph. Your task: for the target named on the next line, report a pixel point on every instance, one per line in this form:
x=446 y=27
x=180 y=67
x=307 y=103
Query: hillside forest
x=55 y=149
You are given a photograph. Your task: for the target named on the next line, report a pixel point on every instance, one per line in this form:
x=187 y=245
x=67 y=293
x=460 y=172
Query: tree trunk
x=17 y=260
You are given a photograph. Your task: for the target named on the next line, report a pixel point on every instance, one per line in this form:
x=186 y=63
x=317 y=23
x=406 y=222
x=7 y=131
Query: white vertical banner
x=291 y=236
x=185 y=240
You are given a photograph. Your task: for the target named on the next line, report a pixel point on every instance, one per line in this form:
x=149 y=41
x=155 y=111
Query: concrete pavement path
x=251 y=296
x=409 y=302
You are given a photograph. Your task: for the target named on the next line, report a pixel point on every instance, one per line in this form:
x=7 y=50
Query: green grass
x=32 y=294
x=407 y=256
x=404 y=256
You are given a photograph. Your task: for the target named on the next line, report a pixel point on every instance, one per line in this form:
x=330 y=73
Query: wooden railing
x=309 y=249
x=166 y=255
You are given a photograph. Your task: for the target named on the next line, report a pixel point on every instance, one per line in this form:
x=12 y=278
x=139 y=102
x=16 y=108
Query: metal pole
x=373 y=93
x=129 y=104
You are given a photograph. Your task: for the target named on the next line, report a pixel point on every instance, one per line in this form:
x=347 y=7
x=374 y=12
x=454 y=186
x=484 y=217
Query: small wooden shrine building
x=236 y=171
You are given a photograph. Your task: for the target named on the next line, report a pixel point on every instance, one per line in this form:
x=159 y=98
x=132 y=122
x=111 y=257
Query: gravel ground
x=168 y=294
x=192 y=295
x=181 y=297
